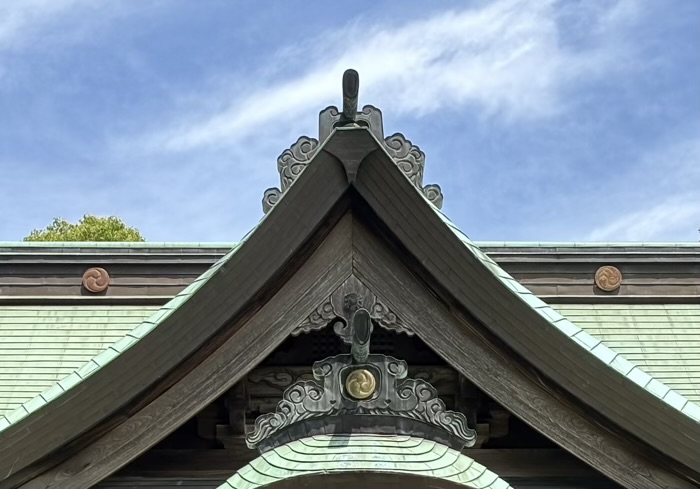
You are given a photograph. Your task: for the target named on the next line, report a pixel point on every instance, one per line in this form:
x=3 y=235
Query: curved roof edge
x=113 y=351
x=585 y=340
x=326 y=455
x=581 y=364
x=255 y=261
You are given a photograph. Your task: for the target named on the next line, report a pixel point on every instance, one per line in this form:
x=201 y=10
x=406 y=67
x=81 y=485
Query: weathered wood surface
x=469 y=285
x=270 y=382
x=137 y=274
x=652 y=274
x=249 y=342
x=495 y=369
x=413 y=223
x=281 y=242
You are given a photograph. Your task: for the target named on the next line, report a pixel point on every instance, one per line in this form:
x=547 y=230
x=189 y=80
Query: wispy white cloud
x=22 y=22
x=505 y=59
x=29 y=24
x=658 y=199
x=679 y=216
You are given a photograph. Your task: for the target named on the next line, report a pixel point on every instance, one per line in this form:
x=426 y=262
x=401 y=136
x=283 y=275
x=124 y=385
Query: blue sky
x=566 y=121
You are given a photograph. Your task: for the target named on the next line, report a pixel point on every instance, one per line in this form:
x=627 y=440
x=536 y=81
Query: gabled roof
x=353 y=168
x=40 y=345
x=107 y=355
x=595 y=346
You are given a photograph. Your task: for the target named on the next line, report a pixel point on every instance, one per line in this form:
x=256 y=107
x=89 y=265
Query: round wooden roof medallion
x=608 y=278
x=361 y=384
x=96 y=280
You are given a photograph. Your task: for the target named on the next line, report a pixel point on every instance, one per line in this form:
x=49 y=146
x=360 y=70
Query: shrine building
x=355 y=338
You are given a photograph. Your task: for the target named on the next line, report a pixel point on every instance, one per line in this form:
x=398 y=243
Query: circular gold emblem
x=96 y=280
x=608 y=278
x=360 y=384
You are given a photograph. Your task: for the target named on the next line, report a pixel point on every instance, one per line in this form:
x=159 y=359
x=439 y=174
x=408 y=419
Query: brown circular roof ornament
x=608 y=278
x=96 y=280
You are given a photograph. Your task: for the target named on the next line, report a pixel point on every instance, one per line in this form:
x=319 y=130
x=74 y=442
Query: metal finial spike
x=351 y=89
x=361 y=333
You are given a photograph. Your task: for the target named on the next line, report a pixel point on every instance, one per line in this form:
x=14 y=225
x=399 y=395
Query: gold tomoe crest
x=361 y=384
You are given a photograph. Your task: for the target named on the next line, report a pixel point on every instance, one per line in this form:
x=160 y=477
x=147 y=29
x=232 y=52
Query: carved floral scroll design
x=290 y=164
x=407 y=156
x=396 y=396
x=273 y=381
x=340 y=305
x=411 y=160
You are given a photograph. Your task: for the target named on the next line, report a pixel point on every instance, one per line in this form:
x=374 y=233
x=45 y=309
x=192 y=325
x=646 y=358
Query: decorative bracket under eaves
x=360 y=392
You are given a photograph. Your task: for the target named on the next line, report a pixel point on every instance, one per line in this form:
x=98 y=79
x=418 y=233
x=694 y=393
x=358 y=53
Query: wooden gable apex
x=351 y=215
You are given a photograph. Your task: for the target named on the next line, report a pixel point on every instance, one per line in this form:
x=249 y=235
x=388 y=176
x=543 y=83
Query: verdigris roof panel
x=328 y=455
x=40 y=345
x=662 y=339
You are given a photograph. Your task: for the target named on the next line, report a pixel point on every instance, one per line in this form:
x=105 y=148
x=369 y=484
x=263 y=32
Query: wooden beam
x=497 y=371
x=470 y=285
x=249 y=342
x=282 y=241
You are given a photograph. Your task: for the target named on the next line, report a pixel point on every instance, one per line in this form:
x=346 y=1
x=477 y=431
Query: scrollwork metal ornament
x=411 y=160
x=360 y=392
x=407 y=156
x=290 y=164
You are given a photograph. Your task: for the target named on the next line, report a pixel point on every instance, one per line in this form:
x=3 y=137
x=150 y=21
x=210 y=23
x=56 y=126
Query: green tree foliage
x=89 y=228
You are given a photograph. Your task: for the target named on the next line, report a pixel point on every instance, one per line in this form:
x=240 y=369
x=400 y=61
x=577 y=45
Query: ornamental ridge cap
x=407 y=156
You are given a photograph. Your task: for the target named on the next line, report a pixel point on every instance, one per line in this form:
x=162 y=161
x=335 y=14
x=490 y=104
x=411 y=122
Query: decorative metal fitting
x=360 y=384
x=608 y=278
x=360 y=392
x=96 y=280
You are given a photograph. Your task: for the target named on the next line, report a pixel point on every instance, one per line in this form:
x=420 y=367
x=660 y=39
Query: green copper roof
x=598 y=350
x=328 y=454
x=662 y=339
x=40 y=345
x=46 y=349
x=111 y=352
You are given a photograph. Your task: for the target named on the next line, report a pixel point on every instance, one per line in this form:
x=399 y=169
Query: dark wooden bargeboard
x=486 y=340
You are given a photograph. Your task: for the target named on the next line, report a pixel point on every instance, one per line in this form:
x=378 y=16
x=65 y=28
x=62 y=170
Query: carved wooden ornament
x=360 y=392
x=407 y=156
x=608 y=278
x=96 y=280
